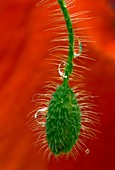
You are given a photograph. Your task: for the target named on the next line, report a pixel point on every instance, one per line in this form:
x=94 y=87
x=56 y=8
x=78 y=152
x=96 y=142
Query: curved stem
x=69 y=64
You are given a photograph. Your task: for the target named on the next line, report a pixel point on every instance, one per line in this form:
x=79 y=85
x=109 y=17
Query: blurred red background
x=23 y=71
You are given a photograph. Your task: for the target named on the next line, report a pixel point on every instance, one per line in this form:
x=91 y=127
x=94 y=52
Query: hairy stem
x=69 y=64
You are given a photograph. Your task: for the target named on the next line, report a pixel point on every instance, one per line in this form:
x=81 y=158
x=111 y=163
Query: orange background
x=23 y=70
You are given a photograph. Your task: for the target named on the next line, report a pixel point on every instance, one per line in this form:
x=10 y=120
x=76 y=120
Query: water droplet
x=42 y=124
x=80 y=48
x=87 y=151
x=61 y=68
x=40 y=116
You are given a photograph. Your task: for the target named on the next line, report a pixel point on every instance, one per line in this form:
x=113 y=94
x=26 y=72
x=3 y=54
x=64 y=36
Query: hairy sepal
x=63 y=120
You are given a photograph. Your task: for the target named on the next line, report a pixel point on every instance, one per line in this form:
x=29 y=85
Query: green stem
x=69 y=63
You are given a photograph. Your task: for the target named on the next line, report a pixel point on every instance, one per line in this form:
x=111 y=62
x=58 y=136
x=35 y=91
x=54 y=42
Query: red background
x=23 y=71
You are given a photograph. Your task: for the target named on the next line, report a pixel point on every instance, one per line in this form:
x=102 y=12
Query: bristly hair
x=65 y=119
